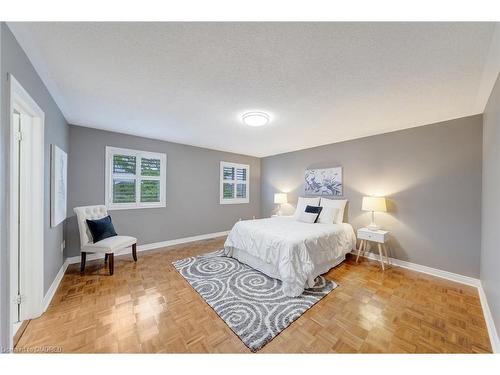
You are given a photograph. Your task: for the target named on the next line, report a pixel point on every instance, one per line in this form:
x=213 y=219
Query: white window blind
x=135 y=179
x=234 y=183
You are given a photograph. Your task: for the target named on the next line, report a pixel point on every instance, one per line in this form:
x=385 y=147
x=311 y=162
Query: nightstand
x=377 y=236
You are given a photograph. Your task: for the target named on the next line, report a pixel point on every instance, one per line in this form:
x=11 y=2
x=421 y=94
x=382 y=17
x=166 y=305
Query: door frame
x=33 y=280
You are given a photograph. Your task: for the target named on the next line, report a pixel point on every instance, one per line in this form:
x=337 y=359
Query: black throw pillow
x=314 y=210
x=101 y=228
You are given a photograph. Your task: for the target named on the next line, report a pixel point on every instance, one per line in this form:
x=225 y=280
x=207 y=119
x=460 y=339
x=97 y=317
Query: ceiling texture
x=320 y=82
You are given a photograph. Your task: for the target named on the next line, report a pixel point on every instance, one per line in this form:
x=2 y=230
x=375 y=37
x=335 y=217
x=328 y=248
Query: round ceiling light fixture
x=255 y=118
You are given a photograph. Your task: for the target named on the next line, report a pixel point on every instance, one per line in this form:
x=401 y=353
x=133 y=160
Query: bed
x=289 y=250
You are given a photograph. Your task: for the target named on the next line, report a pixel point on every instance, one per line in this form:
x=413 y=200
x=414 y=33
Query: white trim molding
x=26 y=133
x=55 y=284
x=428 y=270
x=153 y=246
x=490 y=323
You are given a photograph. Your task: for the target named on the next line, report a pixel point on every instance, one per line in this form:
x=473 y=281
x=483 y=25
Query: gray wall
x=193 y=206
x=431 y=176
x=15 y=61
x=490 y=250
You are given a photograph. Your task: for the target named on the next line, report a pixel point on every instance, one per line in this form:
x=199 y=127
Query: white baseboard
x=179 y=241
x=153 y=246
x=16 y=326
x=428 y=270
x=490 y=323
x=53 y=287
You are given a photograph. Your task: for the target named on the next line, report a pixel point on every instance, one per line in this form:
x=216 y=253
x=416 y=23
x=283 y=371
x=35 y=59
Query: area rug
x=250 y=303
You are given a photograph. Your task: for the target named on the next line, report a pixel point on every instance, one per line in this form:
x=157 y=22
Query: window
x=135 y=179
x=234 y=183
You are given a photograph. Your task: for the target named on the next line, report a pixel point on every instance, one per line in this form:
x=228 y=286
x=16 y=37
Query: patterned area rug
x=251 y=303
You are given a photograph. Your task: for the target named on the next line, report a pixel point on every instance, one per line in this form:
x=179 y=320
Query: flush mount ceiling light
x=255 y=118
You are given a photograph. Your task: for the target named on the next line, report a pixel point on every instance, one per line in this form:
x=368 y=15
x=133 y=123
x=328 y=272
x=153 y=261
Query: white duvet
x=299 y=252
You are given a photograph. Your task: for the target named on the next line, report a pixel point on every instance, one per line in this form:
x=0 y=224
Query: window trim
x=110 y=151
x=221 y=183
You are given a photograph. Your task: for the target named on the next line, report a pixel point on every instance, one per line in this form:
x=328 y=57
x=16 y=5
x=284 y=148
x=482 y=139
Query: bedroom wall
x=431 y=176
x=490 y=249
x=15 y=61
x=193 y=206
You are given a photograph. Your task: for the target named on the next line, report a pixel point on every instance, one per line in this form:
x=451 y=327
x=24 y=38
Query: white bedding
x=296 y=252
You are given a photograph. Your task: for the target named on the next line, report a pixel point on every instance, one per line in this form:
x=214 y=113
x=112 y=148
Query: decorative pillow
x=101 y=228
x=335 y=203
x=328 y=215
x=302 y=203
x=310 y=214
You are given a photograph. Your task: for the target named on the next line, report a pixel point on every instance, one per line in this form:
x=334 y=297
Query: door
x=26 y=206
x=14 y=200
x=21 y=198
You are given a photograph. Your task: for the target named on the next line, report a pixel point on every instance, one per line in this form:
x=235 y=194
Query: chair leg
x=134 y=252
x=111 y=264
x=105 y=258
x=82 y=262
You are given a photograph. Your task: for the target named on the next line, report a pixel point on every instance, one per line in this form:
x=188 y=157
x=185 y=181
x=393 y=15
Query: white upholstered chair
x=107 y=246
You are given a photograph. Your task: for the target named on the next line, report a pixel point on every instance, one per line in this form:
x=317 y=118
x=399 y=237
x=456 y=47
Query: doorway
x=26 y=206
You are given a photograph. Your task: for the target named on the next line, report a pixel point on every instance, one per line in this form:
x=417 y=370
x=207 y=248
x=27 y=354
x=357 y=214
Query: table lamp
x=374 y=204
x=280 y=198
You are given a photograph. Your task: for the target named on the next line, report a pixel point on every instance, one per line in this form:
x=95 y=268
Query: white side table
x=379 y=237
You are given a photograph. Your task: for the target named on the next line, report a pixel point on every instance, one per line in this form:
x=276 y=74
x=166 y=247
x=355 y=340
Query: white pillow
x=328 y=215
x=302 y=203
x=335 y=203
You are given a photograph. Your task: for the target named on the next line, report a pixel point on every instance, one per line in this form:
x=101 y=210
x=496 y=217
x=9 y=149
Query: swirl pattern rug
x=250 y=303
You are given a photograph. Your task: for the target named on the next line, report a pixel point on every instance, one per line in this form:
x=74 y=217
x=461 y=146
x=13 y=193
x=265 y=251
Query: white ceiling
x=320 y=82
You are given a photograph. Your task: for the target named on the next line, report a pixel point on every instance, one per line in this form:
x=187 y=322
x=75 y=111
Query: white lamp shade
x=280 y=198
x=374 y=204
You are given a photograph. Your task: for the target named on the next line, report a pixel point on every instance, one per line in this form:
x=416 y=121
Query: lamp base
x=373 y=226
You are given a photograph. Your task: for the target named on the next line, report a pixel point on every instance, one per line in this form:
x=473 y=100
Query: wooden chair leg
x=105 y=258
x=82 y=262
x=134 y=252
x=111 y=264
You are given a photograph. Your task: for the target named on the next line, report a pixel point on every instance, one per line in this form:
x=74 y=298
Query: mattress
x=289 y=250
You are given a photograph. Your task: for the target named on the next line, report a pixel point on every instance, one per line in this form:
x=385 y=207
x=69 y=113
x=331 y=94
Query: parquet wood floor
x=148 y=307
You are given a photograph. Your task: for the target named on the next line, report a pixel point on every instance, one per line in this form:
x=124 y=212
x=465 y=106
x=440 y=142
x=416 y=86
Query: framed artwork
x=327 y=181
x=59 y=186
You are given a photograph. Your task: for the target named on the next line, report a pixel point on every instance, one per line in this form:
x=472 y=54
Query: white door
x=26 y=206
x=14 y=269
x=22 y=231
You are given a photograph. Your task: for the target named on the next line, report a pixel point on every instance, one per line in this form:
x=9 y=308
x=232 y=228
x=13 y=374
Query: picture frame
x=323 y=181
x=58 y=186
